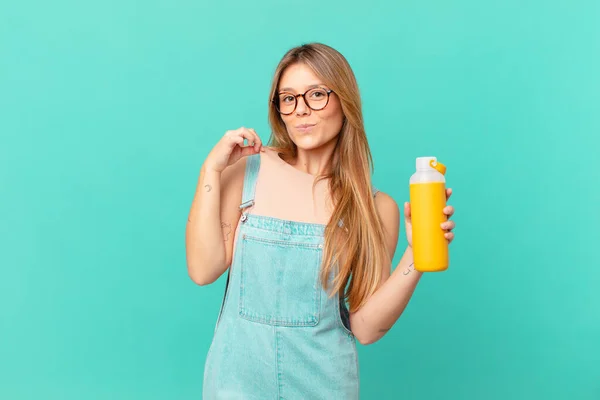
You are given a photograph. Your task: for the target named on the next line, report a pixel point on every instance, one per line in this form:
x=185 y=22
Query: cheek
x=333 y=118
x=288 y=121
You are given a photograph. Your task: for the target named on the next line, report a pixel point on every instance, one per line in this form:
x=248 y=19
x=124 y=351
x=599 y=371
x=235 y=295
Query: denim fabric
x=278 y=334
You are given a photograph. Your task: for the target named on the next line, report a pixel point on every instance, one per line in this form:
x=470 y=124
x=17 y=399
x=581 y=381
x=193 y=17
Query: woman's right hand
x=231 y=148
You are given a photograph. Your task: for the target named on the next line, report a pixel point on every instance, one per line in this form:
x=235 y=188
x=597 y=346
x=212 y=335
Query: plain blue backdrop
x=108 y=108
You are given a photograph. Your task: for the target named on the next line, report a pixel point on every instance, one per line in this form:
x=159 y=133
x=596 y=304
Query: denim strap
x=250 y=175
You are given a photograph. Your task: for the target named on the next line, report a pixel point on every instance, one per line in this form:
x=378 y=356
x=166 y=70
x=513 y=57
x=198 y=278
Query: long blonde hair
x=361 y=238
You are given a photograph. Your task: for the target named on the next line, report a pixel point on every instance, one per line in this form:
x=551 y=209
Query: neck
x=316 y=161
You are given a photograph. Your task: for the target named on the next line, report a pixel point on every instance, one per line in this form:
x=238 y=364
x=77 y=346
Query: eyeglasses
x=316 y=99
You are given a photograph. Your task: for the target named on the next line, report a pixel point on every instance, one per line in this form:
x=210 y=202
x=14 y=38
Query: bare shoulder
x=232 y=178
x=387 y=207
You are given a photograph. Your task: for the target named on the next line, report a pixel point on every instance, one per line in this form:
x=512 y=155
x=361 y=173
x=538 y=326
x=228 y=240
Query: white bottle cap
x=423 y=163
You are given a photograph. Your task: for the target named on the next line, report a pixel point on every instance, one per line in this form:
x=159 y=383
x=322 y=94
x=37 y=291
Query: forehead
x=298 y=78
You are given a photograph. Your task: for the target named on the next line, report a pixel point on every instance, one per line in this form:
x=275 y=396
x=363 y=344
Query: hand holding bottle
x=446 y=226
x=428 y=230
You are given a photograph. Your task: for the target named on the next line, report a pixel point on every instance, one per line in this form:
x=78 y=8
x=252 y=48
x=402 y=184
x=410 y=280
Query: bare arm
x=214 y=213
x=373 y=320
x=376 y=317
x=212 y=222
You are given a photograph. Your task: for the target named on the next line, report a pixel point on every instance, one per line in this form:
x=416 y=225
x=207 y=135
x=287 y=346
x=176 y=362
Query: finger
x=407 y=209
x=246 y=134
x=449 y=236
x=243 y=133
x=448 y=226
x=237 y=139
x=238 y=131
x=257 y=141
x=252 y=137
x=449 y=211
x=448 y=193
x=247 y=151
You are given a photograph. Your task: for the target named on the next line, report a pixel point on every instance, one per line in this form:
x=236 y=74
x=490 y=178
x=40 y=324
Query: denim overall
x=278 y=335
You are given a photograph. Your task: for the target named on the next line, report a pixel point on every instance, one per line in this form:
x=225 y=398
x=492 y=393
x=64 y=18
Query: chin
x=308 y=142
x=312 y=140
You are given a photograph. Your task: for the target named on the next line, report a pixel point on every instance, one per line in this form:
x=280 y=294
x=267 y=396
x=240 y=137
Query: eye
x=286 y=99
x=318 y=94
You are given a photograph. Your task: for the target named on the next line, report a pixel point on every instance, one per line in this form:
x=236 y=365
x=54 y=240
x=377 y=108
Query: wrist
x=208 y=170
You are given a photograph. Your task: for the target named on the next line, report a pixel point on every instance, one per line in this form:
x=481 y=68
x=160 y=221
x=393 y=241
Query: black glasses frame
x=275 y=100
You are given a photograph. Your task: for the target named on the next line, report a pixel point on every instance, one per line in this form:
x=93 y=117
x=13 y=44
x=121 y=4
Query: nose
x=301 y=106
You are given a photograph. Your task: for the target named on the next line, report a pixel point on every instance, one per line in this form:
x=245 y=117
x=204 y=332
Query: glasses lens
x=286 y=103
x=316 y=98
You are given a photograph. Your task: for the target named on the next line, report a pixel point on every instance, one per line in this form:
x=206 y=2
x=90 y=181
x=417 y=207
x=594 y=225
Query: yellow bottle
x=427 y=202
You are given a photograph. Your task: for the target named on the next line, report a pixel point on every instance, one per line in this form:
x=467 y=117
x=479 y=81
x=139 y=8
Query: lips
x=304 y=128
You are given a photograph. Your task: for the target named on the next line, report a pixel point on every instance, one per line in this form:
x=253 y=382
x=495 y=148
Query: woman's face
x=309 y=129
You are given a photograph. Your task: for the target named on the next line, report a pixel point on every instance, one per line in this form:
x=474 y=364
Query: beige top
x=285 y=192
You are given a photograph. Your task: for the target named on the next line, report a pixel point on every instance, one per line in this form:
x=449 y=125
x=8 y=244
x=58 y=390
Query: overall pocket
x=280 y=282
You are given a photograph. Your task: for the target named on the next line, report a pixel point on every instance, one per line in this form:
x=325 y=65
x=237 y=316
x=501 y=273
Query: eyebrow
x=287 y=89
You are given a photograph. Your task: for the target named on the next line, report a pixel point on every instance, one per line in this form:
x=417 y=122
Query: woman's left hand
x=447 y=226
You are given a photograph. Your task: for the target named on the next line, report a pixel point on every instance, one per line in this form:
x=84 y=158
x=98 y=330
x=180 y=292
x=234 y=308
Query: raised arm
x=214 y=213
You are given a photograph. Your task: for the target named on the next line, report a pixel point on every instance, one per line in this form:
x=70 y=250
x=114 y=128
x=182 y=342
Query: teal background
x=107 y=110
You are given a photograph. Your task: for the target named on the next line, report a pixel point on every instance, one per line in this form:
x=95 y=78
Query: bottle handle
x=438 y=166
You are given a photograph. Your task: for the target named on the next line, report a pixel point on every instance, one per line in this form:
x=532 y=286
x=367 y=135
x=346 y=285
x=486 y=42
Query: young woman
x=303 y=233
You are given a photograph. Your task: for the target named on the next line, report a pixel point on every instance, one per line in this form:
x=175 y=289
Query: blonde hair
x=361 y=238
